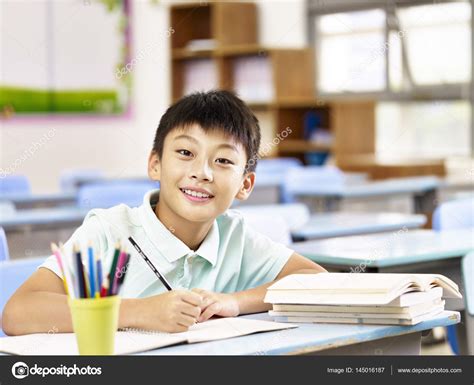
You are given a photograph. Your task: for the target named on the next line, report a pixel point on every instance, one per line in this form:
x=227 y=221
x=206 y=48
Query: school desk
x=320 y=339
x=416 y=251
x=30 y=231
x=28 y=201
x=422 y=190
x=338 y=224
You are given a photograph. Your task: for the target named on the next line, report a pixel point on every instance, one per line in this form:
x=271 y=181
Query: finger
x=178 y=328
x=192 y=298
x=206 y=303
x=210 y=311
x=190 y=310
x=186 y=320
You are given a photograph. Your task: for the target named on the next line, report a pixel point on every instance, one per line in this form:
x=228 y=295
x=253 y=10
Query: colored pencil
x=55 y=250
x=90 y=251
x=113 y=267
x=99 y=275
x=81 y=281
x=119 y=271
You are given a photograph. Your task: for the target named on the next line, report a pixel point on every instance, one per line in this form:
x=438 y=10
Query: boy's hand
x=173 y=311
x=221 y=304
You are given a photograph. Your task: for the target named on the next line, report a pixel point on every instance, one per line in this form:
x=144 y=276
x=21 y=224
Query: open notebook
x=134 y=341
x=355 y=288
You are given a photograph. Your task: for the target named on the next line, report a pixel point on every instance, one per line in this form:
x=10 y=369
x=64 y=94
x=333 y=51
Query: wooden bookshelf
x=231 y=32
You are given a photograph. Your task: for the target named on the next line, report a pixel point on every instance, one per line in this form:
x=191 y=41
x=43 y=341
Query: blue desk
x=421 y=189
x=319 y=339
x=25 y=201
x=338 y=224
x=416 y=251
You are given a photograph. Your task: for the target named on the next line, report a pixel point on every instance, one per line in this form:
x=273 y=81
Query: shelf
x=183 y=53
x=301 y=146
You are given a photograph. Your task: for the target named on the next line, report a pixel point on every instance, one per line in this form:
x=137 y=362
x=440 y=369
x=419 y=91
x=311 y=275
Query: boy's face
x=200 y=173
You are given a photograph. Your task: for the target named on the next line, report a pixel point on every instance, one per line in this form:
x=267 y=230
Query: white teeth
x=196 y=194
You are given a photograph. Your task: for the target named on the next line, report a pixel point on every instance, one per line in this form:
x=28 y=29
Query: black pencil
x=152 y=267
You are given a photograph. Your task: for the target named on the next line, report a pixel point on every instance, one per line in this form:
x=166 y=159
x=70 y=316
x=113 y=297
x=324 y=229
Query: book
x=354 y=288
x=133 y=341
x=406 y=313
x=405 y=303
x=361 y=320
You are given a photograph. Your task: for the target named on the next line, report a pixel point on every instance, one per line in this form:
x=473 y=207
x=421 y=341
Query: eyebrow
x=222 y=145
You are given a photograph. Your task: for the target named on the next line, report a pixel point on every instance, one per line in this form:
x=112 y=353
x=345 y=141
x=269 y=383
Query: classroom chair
x=277 y=164
x=71 y=180
x=467 y=267
x=108 y=194
x=14 y=184
x=12 y=275
x=301 y=179
x=273 y=226
x=269 y=169
x=455 y=214
x=4 y=254
x=295 y=215
x=452 y=215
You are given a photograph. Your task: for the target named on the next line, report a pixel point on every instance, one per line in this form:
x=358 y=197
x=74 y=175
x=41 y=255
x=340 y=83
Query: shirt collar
x=167 y=243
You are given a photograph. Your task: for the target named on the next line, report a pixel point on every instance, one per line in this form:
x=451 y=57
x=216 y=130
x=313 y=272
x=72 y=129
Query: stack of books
x=360 y=298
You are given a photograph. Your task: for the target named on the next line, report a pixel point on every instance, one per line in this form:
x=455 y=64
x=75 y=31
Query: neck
x=190 y=233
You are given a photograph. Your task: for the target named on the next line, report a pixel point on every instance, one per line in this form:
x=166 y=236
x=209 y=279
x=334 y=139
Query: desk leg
x=425 y=203
x=465 y=334
x=406 y=344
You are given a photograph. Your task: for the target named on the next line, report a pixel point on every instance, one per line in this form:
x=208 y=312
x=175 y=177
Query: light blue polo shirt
x=232 y=257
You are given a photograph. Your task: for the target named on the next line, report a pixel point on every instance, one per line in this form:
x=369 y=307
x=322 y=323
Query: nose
x=201 y=171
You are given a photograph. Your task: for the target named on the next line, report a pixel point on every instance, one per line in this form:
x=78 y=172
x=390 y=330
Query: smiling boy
x=204 y=155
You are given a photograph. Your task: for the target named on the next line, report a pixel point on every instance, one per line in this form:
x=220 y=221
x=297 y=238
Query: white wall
x=120 y=147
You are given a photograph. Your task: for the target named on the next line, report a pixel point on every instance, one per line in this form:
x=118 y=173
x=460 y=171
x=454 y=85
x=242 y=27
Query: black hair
x=213 y=110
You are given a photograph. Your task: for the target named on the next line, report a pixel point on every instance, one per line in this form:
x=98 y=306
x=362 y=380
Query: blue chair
x=467 y=267
x=277 y=168
x=4 y=255
x=452 y=215
x=455 y=214
x=71 y=180
x=12 y=275
x=108 y=194
x=277 y=165
x=14 y=184
x=299 y=180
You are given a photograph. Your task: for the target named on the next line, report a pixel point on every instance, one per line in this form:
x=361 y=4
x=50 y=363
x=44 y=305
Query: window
x=352 y=52
x=423 y=129
x=438 y=42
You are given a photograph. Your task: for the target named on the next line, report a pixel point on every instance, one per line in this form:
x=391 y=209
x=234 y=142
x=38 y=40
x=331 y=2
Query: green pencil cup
x=95 y=321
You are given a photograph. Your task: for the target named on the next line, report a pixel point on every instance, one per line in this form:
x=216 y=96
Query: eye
x=184 y=152
x=224 y=161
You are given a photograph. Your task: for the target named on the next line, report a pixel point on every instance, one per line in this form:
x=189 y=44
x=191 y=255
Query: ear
x=246 y=187
x=154 y=166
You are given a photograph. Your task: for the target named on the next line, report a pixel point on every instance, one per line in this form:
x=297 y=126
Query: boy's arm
x=40 y=306
x=251 y=300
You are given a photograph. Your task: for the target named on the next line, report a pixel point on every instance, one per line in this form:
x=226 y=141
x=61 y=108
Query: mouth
x=196 y=196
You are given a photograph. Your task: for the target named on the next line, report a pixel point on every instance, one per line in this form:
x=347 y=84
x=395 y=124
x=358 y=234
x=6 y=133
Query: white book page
x=133 y=341
x=343 y=282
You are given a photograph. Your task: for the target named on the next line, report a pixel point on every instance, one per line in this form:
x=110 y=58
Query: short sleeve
x=90 y=231
x=262 y=259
